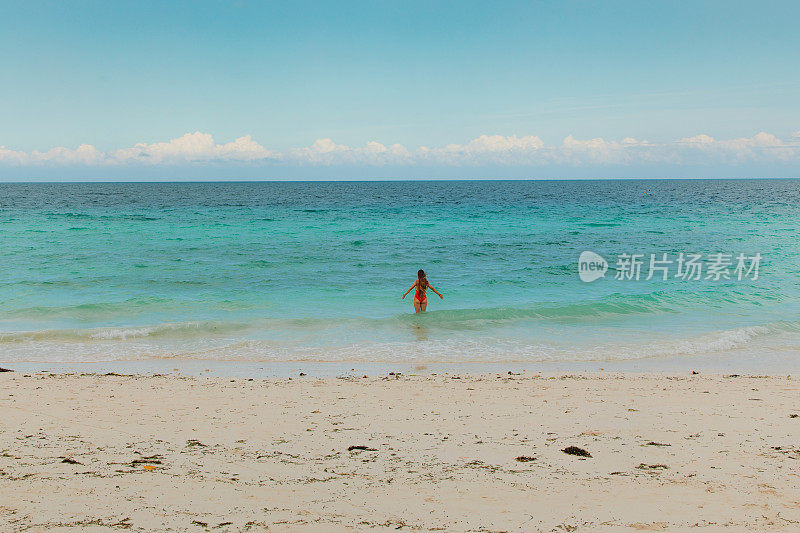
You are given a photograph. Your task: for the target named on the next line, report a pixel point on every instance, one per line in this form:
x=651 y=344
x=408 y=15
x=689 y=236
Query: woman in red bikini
x=422 y=285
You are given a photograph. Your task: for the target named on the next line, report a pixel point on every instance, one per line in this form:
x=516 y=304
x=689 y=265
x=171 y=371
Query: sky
x=377 y=89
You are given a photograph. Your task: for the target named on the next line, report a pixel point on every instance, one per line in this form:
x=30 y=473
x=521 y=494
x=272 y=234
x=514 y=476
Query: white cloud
x=13 y=157
x=193 y=147
x=697 y=139
x=596 y=150
x=327 y=152
x=485 y=150
x=760 y=147
x=499 y=144
x=190 y=148
x=85 y=154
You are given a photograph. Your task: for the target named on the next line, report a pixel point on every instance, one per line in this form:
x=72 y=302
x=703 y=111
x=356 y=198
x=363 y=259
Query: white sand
x=233 y=455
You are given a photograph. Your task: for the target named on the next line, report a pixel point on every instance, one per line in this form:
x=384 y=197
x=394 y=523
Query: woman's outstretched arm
x=409 y=290
x=434 y=290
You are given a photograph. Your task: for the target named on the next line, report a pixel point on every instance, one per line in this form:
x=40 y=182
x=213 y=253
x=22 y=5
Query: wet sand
x=409 y=452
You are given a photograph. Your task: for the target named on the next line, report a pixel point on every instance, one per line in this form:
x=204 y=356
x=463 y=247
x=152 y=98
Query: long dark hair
x=422 y=280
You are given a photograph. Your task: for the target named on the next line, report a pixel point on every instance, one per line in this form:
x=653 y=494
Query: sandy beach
x=413 y=452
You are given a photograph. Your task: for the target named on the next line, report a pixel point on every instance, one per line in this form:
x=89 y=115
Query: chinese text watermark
x=683 y=266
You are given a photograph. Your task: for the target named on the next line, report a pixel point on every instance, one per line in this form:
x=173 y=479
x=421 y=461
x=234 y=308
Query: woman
x=422 y=285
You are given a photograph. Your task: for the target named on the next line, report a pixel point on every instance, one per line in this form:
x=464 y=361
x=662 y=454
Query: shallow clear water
x=315 y=271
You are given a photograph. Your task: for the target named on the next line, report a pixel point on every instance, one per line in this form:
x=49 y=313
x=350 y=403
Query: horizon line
x=35 y=181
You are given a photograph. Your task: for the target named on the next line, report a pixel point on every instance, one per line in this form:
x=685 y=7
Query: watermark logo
x=684 y=266
x=591 y=266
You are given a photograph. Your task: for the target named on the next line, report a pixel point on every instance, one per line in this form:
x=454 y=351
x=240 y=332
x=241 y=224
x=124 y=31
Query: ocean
x=314 y=271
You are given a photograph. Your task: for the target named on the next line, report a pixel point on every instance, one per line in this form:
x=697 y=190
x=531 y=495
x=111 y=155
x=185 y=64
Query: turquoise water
x=315 y=271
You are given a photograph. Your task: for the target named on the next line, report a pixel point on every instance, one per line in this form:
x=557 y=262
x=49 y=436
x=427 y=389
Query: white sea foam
x=151 y=343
